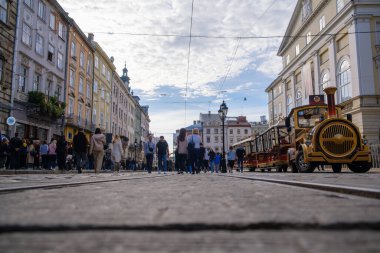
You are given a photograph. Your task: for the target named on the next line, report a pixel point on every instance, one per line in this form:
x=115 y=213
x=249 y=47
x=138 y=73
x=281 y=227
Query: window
x=231 y=131
x=306 y=9
x=103 y=69
x=208 y=139
x=29 y=3
x=308 y=37
x=23 y=78
x=102 y=92
x=26 y=34
x=216 y=139
x=37 y=82
x=81 y=85
x=95 y=86
x=50 y=53
x=339 y=5
x=287 y=59
x=48 y=87
x=41 y=10
x=325 y=82
x=88 y=91
x=208 y=131
x=73 y=50
x=101 y=119
x=52 y=21
x=3 y=10
x=60 y=60
x=238 y=131
x=72 y=78
x=58 y=92
x=96 y=62
x=297 y=49
x=298 y=97
x=108 y=76
x=94 y=116
x=377 y=33
x=81 y=59
x=87 y=115
x=39 y=44
x=80 y=107
x=60 y=30
x=71 y=106
x=344 y=79
x=89 y=65
x=289 y=104
x=322 y=23
x=245 y=131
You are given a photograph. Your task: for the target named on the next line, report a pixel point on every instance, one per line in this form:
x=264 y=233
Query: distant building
x=259 y=127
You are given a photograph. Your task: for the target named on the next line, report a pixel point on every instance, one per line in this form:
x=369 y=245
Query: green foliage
x=48 y=106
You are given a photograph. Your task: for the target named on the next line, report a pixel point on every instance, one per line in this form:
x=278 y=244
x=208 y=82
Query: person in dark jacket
x=240 y=153
x=61 y=152
x=80 y=145
x=15 y=145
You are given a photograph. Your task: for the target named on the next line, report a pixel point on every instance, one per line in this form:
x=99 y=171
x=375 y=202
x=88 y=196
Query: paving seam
x=356 y=191
x=73 y=184
x=193 y=227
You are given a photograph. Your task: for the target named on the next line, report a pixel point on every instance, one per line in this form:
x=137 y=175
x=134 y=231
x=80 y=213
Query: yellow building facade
x=79 y=83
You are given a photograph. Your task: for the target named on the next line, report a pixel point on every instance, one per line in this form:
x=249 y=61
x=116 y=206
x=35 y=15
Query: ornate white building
x=331 y=43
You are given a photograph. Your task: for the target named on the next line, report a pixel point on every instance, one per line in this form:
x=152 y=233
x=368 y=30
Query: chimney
x=91 y=37
x=330 y=92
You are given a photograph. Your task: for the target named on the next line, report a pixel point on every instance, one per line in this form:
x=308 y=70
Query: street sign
x=11 y=121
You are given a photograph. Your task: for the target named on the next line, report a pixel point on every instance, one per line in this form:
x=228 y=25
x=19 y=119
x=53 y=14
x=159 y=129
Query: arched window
x=289 y=104
x=325 y=82
x=344 y=81
x=298 y=97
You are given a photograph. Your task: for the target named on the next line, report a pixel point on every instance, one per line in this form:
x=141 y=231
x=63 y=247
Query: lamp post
x=222 y=114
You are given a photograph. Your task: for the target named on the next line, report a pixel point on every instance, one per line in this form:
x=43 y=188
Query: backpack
x=191 y=146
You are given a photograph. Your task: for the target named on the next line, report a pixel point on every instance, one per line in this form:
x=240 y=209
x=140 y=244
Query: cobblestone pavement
x=185 y=213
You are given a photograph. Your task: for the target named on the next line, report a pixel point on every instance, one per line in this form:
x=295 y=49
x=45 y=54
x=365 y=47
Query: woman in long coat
x=117 y=150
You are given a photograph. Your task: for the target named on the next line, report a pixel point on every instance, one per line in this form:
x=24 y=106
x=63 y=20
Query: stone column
x=332 y=62
x=317 y=74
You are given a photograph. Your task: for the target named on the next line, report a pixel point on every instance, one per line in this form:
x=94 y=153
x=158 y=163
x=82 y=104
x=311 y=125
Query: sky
x=152 y=38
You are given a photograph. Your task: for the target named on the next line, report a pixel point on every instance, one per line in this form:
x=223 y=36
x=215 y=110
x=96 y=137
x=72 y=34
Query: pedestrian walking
x=211 y=155
x=37 y=155
x=217 y=160
x=117 y=150
x=194 y=144
x=162 y=151
x=240 y=153
x=61 y=152
x=80 y=145
x=15 y=146
x=181 y=151
x=3 y=152
x=31 y=152
x=231 y=157
x=149 y=148
x=23 y=154
x=52 y=154
x=98 y=140
x=44 y=148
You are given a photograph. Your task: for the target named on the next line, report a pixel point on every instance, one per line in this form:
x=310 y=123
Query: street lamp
x=222 y=114
x=136 y=144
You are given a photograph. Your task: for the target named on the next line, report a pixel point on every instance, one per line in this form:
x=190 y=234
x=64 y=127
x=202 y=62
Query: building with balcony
x=8 y=10
x=39 y=67
x=331 y=43
x=80 y=66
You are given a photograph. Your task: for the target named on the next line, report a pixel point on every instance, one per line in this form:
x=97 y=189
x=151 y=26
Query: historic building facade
x=331 y=43
x=8 y=15
x=39 y=69
x=79 y=78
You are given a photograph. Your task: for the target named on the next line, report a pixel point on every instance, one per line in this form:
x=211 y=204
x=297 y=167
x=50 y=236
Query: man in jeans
x=162 y=150
x=80 y=145
x=149 y=148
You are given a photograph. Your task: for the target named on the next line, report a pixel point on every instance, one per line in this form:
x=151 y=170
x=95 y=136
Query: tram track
x=348 y=190
x=70 y=184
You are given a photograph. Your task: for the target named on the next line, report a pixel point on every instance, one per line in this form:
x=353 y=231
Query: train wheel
x=252 y=169
x=284 y=168
x=337 y=168
x=262 y=170
x=360 y=167
x=302 y=166
x=278 y=169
